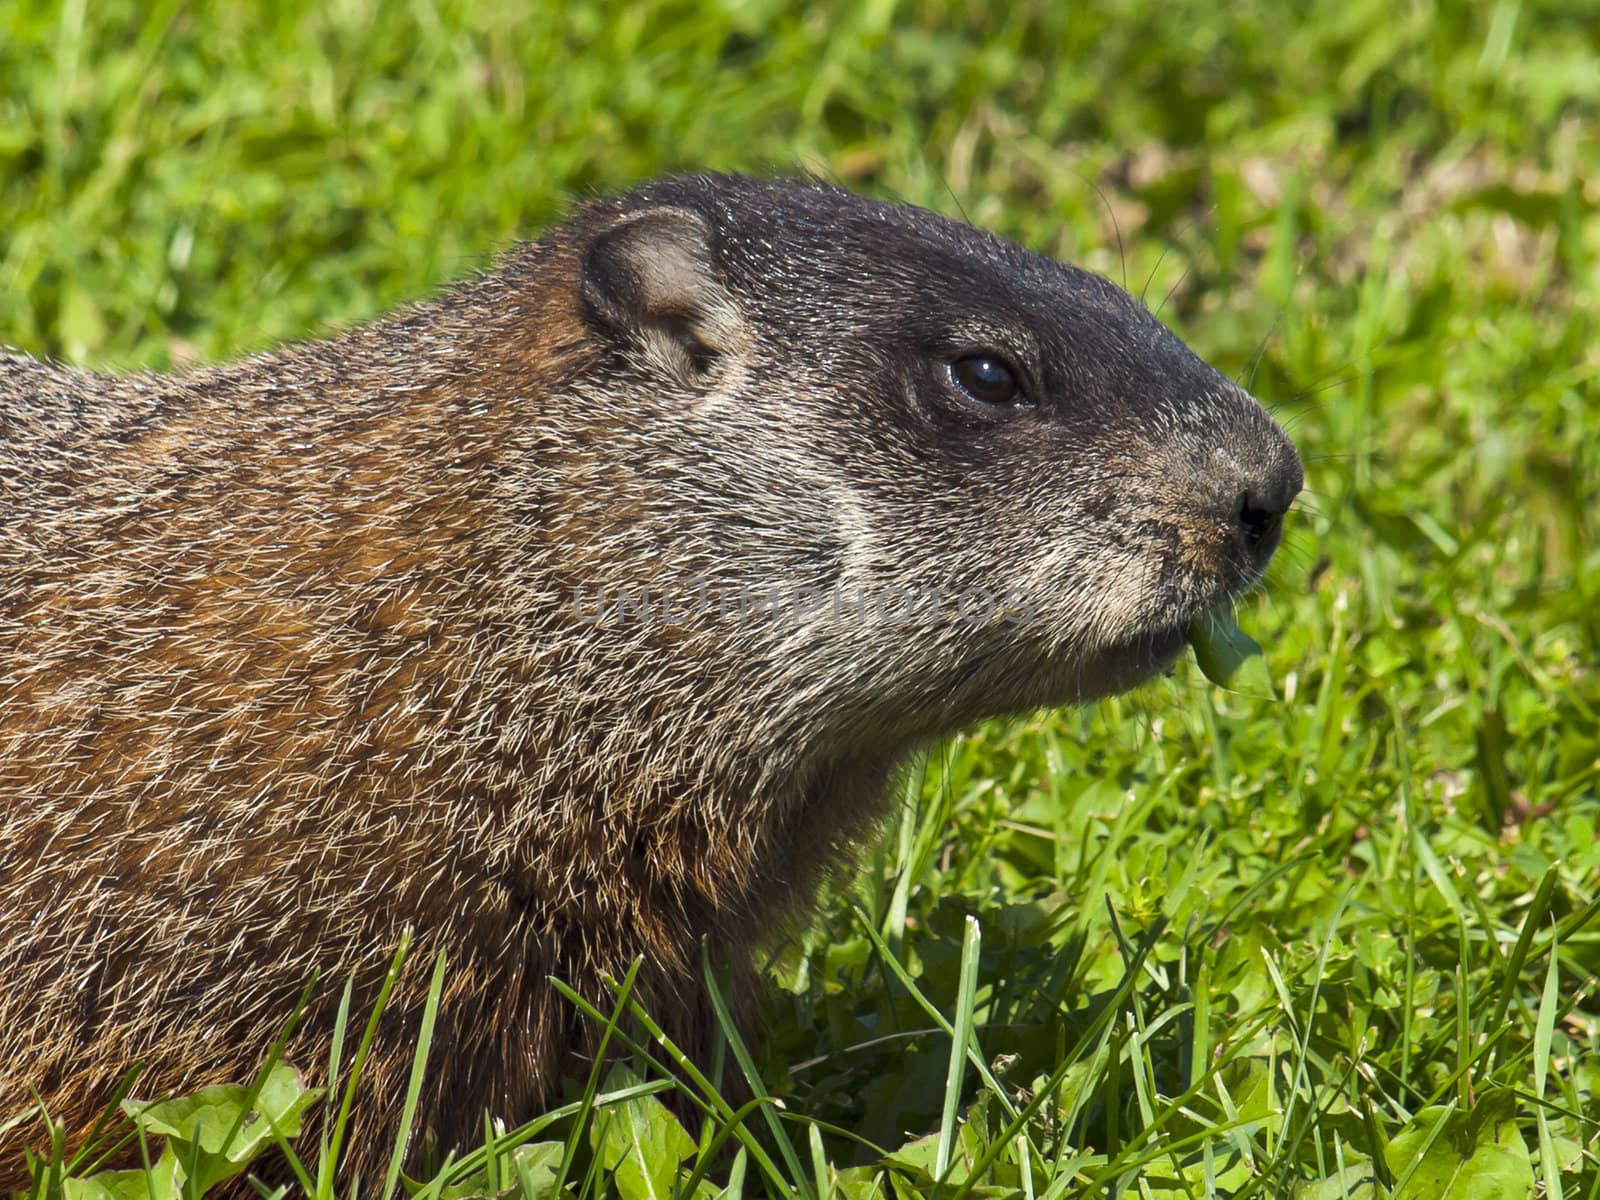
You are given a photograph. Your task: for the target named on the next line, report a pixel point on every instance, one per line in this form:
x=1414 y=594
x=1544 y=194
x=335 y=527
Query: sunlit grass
x=1187 y=943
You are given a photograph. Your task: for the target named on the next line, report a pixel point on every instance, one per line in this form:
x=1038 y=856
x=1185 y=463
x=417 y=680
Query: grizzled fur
x=305 y=650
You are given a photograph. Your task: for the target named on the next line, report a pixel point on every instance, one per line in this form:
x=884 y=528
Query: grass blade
x=960 y=1040
x=419 y=1061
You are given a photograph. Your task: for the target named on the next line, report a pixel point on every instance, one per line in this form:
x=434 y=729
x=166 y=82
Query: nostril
x=1257 y=517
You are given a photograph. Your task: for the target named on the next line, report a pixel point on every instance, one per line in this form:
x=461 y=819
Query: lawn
x=1191 y=943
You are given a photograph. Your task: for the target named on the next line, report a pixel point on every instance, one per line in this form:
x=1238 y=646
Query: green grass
x=1191 y=944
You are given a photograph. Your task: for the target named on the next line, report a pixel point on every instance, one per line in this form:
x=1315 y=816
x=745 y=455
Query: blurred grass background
x=1386 y=215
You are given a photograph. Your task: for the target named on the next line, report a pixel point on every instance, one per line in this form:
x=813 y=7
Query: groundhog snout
x=1256 y=477
x=1258 y=494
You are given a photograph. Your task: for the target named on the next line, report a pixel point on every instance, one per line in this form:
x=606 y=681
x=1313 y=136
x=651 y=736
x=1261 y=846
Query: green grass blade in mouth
x=1228 y=656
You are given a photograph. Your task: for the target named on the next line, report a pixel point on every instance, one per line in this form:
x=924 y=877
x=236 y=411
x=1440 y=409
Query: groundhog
x=575 y=615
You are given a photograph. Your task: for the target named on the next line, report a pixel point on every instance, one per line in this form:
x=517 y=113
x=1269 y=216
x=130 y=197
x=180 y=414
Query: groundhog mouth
x=1154 y=647
x=1155 y=652
x=1113 y=667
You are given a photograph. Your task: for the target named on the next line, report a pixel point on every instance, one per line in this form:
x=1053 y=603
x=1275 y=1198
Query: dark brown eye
x=987 y=378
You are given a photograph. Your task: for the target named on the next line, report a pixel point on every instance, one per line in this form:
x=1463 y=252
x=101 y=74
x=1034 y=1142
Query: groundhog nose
x=1257 y=518
x=1259 y=508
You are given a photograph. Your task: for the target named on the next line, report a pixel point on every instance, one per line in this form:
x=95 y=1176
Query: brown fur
x=290 y=659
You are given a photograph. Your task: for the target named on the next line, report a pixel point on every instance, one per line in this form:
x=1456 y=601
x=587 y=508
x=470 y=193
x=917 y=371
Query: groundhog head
x=945 y=476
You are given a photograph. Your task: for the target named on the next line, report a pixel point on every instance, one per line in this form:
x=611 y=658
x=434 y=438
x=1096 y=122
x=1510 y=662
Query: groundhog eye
x=986 y=377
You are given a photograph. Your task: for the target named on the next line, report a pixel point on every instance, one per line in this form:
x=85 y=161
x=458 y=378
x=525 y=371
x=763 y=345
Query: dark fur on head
x=299 y=652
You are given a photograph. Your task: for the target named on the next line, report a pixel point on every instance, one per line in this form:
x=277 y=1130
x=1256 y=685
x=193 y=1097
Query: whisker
x=1173 y=289
x=1122 y=253
x=1261 y=350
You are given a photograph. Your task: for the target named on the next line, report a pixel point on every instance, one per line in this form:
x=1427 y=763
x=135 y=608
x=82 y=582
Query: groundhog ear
x=650 y=277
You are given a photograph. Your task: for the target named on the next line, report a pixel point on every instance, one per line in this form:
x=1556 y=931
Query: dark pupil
x=987 y=378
